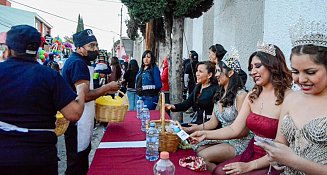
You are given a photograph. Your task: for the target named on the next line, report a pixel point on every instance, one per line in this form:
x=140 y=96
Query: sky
x=104 y=15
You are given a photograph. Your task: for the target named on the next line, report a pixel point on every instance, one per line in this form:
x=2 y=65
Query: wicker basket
x=61 y=125
x=167 y=141
x=112 y=114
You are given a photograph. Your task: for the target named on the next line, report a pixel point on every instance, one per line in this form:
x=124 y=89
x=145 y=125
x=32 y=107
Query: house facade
x=11 y=16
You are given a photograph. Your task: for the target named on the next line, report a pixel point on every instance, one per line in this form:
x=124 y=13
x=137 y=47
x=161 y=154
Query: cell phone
x=185 y=125
x=191 y=140
x=264 y=140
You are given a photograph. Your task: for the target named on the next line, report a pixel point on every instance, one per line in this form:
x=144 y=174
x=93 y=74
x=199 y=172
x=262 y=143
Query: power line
x=4 y=20
x=57 y=15
x=4 y=25
x=110 y=1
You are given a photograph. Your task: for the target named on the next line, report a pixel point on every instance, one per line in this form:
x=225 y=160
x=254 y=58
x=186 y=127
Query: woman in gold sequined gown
x=304 y=124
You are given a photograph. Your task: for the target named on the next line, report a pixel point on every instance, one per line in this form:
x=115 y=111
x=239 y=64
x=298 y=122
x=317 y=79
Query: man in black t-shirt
x=186 y=63
x=190 y=71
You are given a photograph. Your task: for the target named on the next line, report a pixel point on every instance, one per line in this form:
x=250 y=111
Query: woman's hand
x=197 y=137
x=191 y=129
x=169 y=107
x=278 y=152
x=237 y=168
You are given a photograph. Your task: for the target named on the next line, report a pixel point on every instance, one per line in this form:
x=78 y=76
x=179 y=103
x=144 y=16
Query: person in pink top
x=164 y=80
x=3 y=46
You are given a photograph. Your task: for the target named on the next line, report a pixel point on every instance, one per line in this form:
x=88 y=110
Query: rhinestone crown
x=231 y=59
x=267 y=48
x=306 y=32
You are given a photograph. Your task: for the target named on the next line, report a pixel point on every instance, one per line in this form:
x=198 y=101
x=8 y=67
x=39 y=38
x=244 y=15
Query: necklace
x=205 y=86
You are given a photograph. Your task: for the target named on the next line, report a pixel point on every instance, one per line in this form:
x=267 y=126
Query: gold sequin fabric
x=309 y=142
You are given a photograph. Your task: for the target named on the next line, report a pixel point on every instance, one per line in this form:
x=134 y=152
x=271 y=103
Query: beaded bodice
x=228 y=114
x=309 y=142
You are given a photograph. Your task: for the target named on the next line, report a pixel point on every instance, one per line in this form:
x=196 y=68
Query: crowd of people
x=271 y=111
x=268 y=129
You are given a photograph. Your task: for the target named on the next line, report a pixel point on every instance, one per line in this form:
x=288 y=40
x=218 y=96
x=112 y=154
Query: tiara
x=231 y=60
x=267 y=48
x=305 y=32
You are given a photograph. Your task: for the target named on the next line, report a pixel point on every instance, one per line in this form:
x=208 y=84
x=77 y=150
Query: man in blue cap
x=31 y=95
x=77 y=70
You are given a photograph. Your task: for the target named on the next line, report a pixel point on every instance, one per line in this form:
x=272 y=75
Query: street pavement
x=97 y=135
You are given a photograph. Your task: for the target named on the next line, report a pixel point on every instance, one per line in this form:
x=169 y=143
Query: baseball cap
x=83 y=37
x=23 y=39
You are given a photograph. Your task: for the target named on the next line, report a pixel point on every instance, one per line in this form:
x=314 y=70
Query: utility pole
x=121 y=31
x=113 y=47
x=149 y=36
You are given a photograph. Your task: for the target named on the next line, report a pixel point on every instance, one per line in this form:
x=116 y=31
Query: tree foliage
x=68 y=39
x=116 y=43
x=133 y=25
x=145 y=10
x=167 y=17
x=142 y=11
x=192 y=8
x=80 y=24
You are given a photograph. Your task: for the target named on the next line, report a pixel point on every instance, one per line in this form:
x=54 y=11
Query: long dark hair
x=133 y=66
x=280 y=75
x=115 y=63
x=317 y=53
x=152 y=62
x=234 y=85
x=124 y=66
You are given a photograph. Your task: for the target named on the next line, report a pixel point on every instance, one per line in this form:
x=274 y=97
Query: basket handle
x=162 y=112
x=125 y=99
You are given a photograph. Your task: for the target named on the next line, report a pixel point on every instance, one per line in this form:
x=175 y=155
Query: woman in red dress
x=259 y=113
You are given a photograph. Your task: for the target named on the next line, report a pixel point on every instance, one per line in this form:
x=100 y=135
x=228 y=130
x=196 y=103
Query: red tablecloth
x=131 y=161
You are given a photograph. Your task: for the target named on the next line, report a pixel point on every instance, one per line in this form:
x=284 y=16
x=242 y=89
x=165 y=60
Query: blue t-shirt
x=30 y=96
x=75 y=69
